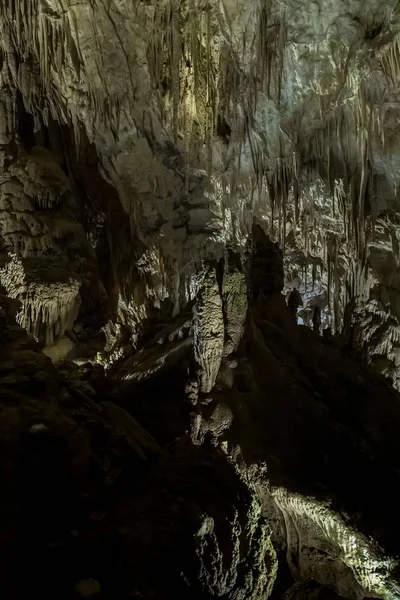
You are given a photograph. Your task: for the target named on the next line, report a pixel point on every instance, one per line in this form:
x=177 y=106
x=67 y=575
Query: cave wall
x=195 y=117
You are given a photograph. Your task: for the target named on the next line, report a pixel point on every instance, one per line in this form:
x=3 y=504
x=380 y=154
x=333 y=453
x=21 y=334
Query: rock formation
x=199 y=303
x=94 y=503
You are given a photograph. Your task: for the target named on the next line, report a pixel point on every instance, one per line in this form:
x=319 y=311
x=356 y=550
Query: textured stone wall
x=203 y=114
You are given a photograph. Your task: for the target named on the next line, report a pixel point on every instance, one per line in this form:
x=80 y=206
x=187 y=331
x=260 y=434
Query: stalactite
x=390 y=59
x=314 y=275
x=175 y=58
x=209 y=93
x=284 y=207
x=188 y=43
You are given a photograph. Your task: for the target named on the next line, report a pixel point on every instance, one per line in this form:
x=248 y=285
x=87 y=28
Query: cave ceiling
x=206 y=114
x=201 y=116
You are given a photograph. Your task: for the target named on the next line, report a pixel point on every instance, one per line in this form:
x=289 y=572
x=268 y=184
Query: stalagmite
x=208 y=330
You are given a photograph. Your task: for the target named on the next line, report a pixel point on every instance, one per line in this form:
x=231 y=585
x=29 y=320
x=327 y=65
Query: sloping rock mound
x=93 y=506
